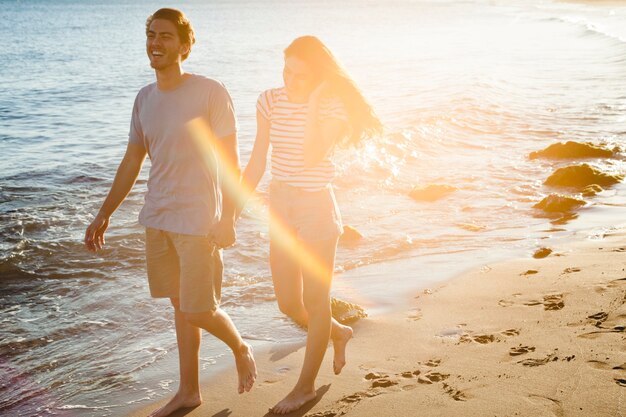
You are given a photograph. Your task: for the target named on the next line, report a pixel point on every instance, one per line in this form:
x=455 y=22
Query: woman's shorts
x=309 y=215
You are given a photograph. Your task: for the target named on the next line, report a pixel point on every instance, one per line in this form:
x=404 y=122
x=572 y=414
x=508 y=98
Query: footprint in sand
x=549 y=403
x=530 y=272
x=570 y=270
x=552 y=357
x=593 y=335
x=380 y=380
x=483 y=339
x=329 y=413
x=598 y=318
x=550 y=302
x=383 y=383
x=357 y=396
x=433 y=362
x=375 y=375
x=602 y=287
x=415 y=315
x=600 y=365
x=553 y=302
x=456 y=394
x=616 y=282
x=521 y=350
x=345 y=404
x=505 y=303
x=539 y=361
x=432 y=377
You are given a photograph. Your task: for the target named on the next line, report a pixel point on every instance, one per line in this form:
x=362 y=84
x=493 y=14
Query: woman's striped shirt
x=287 y=124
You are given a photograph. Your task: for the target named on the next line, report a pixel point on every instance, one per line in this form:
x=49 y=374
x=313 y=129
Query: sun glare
x=216 y=160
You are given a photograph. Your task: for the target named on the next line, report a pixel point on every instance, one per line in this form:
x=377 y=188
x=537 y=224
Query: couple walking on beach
x=186 y=124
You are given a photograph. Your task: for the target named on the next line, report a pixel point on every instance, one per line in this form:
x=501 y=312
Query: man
x=188 y=211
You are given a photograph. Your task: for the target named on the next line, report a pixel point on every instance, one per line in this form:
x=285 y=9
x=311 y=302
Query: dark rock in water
x=565 y=218
x=555 y=203
x=542 y=253
x=571 y=149
x=580 y=176
x=345 y=312
x=350 y=234
x=431 y=192
x=591 y=190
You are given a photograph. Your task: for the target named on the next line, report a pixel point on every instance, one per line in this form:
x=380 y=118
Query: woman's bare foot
x=246 y=368
x=294 y=400
x=179 y=401
x=339 y=345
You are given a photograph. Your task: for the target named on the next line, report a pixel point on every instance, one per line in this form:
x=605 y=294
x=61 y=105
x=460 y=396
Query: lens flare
x=221 y=165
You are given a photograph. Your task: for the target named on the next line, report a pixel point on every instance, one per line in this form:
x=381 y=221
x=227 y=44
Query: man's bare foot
x=294 y=400
x=179 y=401
x=339 y=345
x=246 y=368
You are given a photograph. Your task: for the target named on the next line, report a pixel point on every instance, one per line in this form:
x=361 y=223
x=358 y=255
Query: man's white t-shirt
x=184 y=194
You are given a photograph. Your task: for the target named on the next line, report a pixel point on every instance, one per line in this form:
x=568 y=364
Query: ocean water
x=466 y=90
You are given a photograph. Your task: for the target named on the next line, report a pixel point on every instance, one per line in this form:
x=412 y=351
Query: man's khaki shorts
x=186 y=267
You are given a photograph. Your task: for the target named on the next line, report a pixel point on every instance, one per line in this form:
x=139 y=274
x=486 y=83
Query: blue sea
x=466 y=89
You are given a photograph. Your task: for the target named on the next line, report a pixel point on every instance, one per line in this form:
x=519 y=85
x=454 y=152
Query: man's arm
x=125 y=178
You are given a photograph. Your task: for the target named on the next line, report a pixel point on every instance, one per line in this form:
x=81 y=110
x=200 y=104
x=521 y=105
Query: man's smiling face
x=163 y=44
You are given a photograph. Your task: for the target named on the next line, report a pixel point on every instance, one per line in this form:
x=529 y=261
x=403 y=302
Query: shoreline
x=493 y=340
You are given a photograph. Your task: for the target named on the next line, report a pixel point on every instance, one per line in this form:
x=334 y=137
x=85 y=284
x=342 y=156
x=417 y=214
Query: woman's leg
x=316 y=300
x=287 y=278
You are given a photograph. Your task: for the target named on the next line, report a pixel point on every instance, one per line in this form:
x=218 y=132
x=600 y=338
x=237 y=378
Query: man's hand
x=94 y=236
x=224 y=235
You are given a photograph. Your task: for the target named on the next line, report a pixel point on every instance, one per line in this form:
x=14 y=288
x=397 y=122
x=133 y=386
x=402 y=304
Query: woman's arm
x=320 y=135
x=258 y=160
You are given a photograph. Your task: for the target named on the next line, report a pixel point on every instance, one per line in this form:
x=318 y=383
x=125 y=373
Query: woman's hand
x=224 y=234
x=320 y=91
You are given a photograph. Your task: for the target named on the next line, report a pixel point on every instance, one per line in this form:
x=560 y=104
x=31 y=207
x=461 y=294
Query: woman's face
x=299 y=78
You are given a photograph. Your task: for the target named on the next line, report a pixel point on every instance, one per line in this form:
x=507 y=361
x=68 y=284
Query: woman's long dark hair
x=325 y=67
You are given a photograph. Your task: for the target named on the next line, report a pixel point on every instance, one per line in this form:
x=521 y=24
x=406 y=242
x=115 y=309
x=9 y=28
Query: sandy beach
x=504 y=132
x=525 y=337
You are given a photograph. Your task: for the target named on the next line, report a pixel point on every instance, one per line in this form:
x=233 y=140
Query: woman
x=318 y=108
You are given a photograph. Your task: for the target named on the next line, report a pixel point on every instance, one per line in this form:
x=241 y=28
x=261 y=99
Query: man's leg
x=219 y=324
x=188 y=338
x=163 y=277
x=201 y=271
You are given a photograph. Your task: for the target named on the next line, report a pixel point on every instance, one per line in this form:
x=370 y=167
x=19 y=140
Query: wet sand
x=528 y=337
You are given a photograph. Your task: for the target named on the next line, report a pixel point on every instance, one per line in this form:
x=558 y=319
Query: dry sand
x=498 y=341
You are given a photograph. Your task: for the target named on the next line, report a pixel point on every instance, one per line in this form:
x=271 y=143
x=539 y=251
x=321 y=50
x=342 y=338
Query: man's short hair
x=183 y=25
